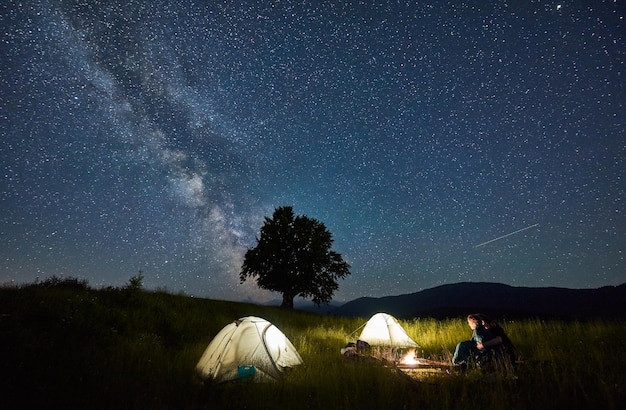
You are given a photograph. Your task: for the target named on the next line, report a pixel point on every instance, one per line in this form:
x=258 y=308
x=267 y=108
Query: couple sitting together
x=489 y=344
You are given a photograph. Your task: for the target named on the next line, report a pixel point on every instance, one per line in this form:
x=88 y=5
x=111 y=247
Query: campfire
x=411 y=361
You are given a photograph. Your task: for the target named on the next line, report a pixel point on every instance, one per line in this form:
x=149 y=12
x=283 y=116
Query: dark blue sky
x=155 y=136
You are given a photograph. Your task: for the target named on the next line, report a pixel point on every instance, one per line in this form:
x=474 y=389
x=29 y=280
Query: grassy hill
x=69 y=346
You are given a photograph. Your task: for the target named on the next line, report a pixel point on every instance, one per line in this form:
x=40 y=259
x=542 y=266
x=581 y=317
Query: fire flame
x=409 y=358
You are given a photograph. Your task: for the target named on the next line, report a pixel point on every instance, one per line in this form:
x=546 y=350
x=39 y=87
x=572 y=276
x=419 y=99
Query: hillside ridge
x=498 y=299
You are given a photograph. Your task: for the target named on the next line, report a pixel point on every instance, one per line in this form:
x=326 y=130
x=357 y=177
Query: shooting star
x=504 y=236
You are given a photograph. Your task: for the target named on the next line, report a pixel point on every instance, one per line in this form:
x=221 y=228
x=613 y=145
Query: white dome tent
x=383 y=330
x=250 y=347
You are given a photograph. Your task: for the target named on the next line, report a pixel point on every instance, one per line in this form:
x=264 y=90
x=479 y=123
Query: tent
x=250 y=348
x=384 y=330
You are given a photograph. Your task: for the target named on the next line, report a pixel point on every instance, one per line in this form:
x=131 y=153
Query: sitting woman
x=489 y=341
x=467 y=352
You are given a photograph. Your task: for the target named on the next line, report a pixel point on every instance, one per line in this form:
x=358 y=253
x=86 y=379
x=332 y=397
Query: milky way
x=156 y=136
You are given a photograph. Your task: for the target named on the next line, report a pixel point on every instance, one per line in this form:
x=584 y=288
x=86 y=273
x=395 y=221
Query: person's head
x=486 y=321
x=474 y=320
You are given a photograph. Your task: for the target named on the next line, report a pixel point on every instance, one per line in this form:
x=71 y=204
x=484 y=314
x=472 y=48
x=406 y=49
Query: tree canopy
x=293 y=256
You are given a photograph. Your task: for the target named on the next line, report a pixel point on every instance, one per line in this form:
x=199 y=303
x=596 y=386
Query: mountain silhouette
x=497 y=300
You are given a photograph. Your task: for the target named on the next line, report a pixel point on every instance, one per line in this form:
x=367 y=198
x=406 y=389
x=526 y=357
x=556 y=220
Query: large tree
x=293 y=256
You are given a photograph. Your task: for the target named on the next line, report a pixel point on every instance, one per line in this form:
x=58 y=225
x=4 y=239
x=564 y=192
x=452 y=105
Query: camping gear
x=249 y=348
x=384 y=330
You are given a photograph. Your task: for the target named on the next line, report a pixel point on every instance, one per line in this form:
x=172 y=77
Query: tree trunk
x=287 y=301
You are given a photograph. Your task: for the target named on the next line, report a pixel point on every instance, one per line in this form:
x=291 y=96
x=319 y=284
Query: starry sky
x=438 y=141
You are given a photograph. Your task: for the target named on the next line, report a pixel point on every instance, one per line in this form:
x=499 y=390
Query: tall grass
x=114 y=348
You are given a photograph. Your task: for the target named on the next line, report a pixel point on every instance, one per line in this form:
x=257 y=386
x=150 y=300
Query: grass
x=76 y=347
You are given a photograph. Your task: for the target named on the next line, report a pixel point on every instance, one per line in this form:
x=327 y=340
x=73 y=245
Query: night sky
x=439 y=142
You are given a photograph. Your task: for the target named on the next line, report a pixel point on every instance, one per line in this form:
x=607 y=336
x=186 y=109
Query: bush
x=55 y=282
x=136 y=282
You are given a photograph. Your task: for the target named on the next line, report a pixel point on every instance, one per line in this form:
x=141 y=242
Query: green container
x=245 y=372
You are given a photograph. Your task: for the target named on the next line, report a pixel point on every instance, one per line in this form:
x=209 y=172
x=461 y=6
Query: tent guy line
x=504 y=236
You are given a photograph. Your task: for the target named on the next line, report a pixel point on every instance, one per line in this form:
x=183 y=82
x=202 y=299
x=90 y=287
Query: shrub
x=63 y=283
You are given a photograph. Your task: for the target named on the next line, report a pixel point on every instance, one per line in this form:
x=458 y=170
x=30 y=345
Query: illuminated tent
x=250 y=348
x=384 y=330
